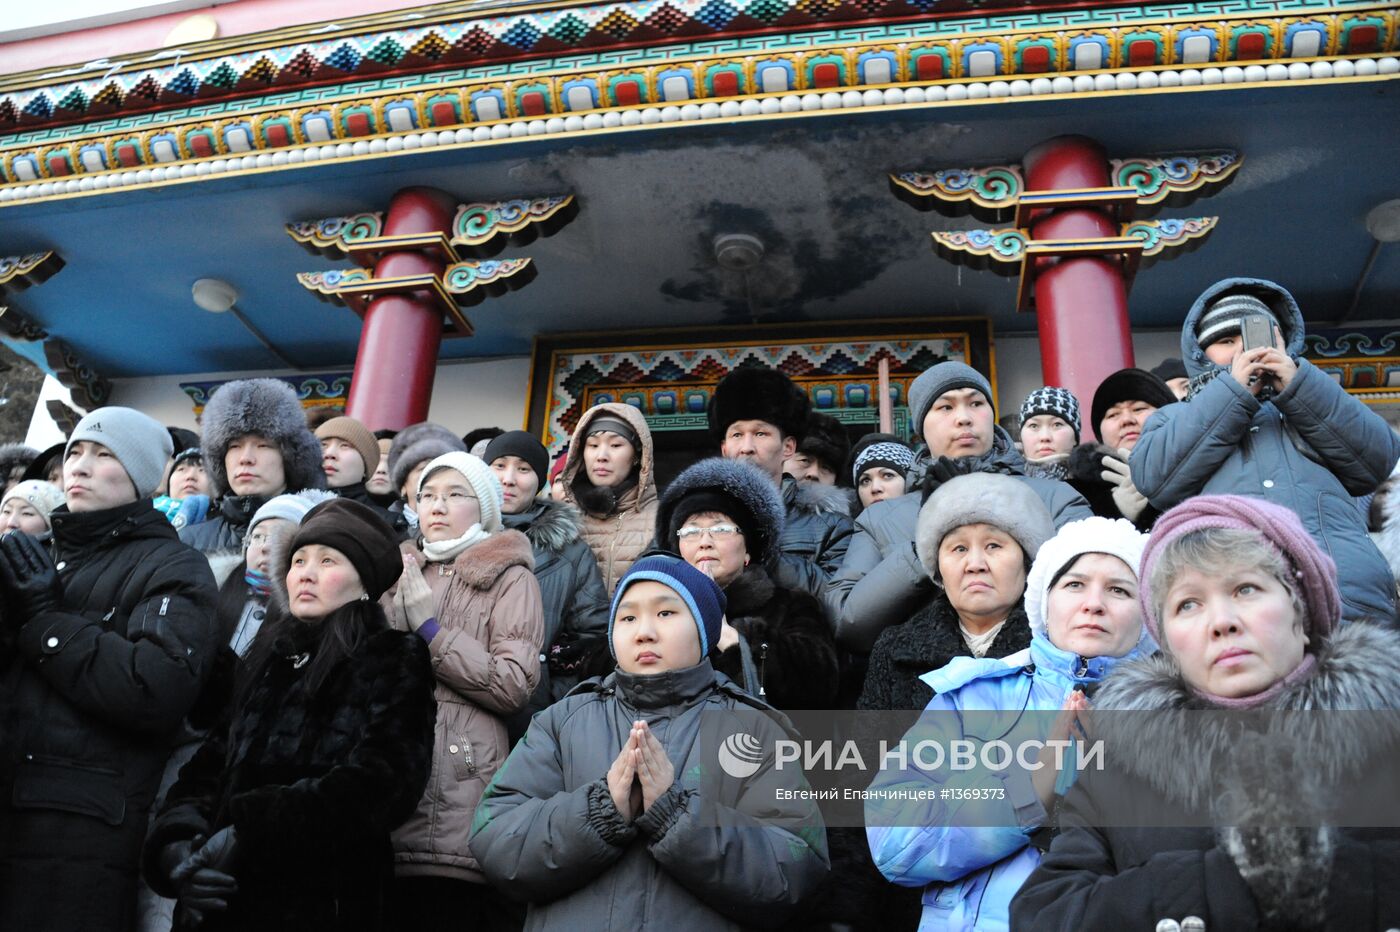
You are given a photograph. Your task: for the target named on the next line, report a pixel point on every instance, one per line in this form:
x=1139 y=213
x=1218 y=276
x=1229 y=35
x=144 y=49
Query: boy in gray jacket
x=602 y=816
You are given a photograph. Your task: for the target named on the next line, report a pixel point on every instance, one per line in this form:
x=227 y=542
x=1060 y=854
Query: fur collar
x=932 y=637
x=482 y=564
x=549 y=525
x=1388 y=540
x=816 y=498
x=1358 y=669
x=750 y=593
x=1086 y=463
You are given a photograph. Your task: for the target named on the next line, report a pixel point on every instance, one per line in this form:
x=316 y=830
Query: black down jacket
x=91 y=696
x=572 y=592
x=793 y=654
x=312 y=782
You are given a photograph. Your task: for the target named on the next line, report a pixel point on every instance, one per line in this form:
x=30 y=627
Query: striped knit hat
x=1051 y=400
x=1222 y=318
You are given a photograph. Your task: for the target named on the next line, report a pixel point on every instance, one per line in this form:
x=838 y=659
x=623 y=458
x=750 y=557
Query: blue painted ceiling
x=639 y=255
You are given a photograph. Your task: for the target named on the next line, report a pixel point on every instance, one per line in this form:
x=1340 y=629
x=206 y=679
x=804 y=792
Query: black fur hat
x=824 y=439
x=270 y=409
x=735 y=488
x=758 y=394
x=15 y=458
x=418 y=443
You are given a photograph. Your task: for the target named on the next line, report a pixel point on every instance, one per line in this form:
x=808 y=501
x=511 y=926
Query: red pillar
x=397 y=359
x=1081 y=303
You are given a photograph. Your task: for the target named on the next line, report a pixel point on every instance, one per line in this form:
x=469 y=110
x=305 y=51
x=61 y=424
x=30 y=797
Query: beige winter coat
x=619 y=538
x=486 y=656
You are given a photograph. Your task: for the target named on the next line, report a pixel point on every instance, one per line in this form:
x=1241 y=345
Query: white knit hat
x=43 y=496
x=482 y=479
x=1113 y=536
x=291 y=506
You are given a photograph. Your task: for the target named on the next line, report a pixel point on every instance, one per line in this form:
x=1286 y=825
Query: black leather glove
x=28 y=573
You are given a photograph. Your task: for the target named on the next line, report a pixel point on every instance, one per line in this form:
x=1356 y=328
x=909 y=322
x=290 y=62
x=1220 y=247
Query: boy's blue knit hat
x=704 y=599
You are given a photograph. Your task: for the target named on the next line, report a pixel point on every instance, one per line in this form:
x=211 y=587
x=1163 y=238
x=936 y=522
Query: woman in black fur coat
x=725 y=518
x=282 y=818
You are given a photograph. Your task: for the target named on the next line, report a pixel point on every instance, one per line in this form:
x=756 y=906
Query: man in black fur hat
x=759 y=415
x=256 y=445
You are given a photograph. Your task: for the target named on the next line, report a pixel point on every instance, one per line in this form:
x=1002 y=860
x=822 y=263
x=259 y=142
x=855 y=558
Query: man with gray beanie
x=104 y=646
x=881 y=582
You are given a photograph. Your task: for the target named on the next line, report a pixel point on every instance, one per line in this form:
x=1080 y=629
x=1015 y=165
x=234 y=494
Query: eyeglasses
x=451 y=498
x=259 y=539
x=716 y=531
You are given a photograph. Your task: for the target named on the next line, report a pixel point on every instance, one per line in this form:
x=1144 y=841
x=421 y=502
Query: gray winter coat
x=571 y=589
x=882 y=582
x=547 y=831
x=816 y=533
x=1311 y=448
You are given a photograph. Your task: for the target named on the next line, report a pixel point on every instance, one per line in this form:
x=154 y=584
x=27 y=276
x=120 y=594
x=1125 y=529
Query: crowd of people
x=284 y=675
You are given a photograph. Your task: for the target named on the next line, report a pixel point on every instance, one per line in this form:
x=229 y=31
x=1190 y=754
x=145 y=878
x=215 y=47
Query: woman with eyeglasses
x=724 y=517
x=469 y=590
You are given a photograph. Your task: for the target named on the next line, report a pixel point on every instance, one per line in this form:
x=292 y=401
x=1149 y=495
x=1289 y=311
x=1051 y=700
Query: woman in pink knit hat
x=1274 y=811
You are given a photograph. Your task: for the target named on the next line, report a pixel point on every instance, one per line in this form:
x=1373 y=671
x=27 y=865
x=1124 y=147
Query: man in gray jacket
x=1266 y=422
x=882 y=582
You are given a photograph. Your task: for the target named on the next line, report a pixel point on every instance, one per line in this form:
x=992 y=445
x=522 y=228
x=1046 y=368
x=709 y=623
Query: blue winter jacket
x=972 y=872
x=1311 y=449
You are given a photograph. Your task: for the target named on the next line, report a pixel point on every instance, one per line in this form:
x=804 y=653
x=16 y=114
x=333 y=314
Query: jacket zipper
x=762 y=661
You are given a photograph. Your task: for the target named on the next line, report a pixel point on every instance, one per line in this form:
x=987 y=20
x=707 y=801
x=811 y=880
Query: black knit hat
x=357 y=531
x=1129 y=385
x=1170 y=368
x=758 y=394
x=824 y=439
x=522 y=444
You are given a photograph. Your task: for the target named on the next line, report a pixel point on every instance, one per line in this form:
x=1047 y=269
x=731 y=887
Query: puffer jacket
x=486 y=656
x=1104 y=872
x=788 y=657
x=224 y=531
x=740 y=857
x=571 y=591
x=92 y=695
x=312 y=782
x=617 y=539
x=882 y=583
x=932 y=638
x=971 y=872
x=816 y=532
x=1311 y=448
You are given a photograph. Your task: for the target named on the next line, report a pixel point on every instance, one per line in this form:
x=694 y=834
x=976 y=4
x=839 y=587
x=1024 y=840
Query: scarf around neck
x=442 y=551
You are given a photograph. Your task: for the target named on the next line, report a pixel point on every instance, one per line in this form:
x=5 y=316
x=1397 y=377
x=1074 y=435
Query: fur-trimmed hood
x=481 y=564
x=1358 y=668
x=644 y=492
x=549 y=525
x=270 y=409
x=815 y=498
x=744 y=482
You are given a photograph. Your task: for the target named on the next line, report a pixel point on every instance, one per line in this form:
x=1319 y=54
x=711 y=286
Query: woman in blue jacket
x=1082 y=604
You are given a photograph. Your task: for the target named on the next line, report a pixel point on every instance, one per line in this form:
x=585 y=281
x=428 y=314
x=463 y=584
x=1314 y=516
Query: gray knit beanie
x=140 y=443
x=1004 y=502
x=944 y=377
x=1223 y=318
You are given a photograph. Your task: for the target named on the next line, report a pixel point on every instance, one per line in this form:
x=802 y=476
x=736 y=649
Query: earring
x=364 y=597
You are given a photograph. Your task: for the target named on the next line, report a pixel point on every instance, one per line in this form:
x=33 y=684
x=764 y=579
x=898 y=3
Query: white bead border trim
x=712 y=110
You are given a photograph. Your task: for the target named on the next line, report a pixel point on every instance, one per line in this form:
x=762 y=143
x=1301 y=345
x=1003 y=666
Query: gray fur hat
x=738 y=489
x=418 y=443
x=270 y=409
x=982 y=498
